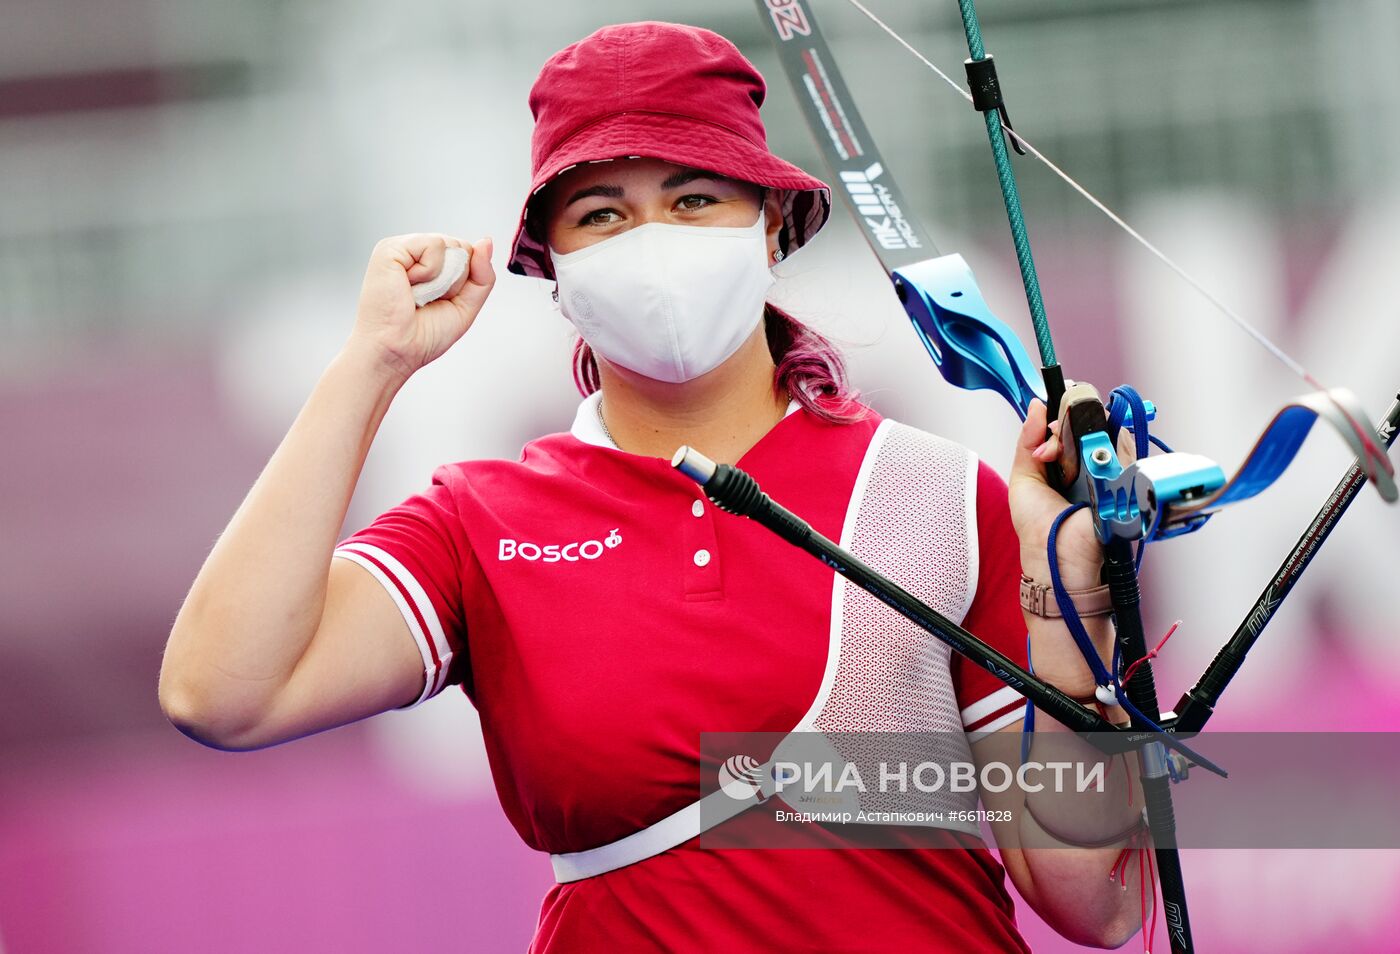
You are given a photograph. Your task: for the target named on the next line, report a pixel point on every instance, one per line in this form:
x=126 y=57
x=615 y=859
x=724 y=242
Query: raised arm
x=276 y=640
x=1064 y=875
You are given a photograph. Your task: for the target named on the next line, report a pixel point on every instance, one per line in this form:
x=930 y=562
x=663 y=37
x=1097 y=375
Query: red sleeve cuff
x=418 y=612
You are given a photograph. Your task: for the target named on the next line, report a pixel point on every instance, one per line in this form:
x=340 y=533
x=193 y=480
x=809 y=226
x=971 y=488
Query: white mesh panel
x=910 y=521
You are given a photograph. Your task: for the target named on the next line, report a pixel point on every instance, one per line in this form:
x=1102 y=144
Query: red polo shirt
x=600 y=613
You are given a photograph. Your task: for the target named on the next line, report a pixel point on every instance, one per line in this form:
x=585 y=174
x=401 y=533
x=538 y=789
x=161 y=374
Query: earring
x=777 y=255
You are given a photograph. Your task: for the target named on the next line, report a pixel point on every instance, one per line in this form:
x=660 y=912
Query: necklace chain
x=604 y=424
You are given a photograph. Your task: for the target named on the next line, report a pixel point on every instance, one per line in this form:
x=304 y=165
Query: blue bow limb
x=973 y=349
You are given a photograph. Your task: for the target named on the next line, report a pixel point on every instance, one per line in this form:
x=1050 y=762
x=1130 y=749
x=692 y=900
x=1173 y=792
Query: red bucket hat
x=664 y=91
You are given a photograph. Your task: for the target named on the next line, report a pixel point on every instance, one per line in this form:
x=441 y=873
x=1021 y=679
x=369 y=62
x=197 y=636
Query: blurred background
x=189 y=192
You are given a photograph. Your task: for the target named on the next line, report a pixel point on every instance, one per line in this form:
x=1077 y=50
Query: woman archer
x=600 y=613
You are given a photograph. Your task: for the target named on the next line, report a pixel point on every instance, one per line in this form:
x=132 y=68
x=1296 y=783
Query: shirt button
x=698 y=508
x=702 y=557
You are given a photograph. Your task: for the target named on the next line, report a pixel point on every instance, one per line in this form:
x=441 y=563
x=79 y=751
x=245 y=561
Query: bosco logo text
x=557 y=552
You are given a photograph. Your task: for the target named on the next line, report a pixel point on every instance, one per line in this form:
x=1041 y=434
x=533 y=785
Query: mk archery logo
x=557 y=552
x=1387 y=429
x=1176 y=922
x=1263 y=612
x=877 y=208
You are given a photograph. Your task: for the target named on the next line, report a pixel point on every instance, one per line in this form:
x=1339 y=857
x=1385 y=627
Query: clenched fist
x=397 y=333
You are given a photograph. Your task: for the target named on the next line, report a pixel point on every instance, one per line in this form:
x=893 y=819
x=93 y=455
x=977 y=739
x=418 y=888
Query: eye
x=600 y=217
x=694 y=202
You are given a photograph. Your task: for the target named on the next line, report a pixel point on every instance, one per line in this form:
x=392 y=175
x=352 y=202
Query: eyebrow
x=607 y=191
x=680 y=178
x=673 y=181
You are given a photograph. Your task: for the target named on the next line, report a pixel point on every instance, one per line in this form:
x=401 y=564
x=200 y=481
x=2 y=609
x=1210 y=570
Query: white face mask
x=668 y=301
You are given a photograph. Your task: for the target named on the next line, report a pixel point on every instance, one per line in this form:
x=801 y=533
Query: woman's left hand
x=1035 y=505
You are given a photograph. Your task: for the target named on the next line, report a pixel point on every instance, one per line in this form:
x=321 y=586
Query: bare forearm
x=1073 y=887
x=258 y=599
x=1065 y=878
x=1072 y=839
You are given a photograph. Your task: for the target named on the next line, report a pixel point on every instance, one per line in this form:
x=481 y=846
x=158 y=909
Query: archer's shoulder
x=950 y=459
x=922 y=442
x=544 y=458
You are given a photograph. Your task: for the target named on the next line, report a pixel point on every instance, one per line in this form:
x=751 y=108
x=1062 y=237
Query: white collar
x=589 y=429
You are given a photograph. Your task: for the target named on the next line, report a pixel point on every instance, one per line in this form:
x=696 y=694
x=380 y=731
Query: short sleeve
x=986 y=703
x=416 y=551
